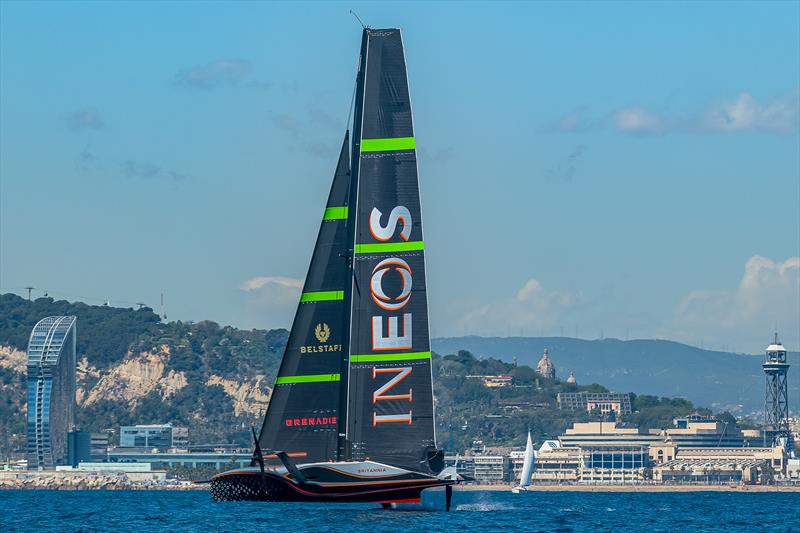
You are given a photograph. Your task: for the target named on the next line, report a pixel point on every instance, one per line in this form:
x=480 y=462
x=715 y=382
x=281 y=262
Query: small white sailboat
x=527 y=468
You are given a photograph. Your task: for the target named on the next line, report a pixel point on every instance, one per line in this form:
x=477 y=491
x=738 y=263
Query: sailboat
x=527 y=468
x=351 y=415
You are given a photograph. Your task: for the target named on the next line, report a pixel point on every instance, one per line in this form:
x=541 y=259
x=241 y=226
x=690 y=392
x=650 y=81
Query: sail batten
x=372 y=358
x=386 y=247
x=388 y=145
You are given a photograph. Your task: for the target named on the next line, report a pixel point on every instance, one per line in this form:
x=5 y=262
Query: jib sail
x=303 y=413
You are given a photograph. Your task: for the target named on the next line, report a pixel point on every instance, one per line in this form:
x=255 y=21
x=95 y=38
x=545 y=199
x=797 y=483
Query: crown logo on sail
x=322 y=332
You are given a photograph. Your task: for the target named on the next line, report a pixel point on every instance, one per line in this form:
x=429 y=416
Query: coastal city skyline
x=223 y=306
x=655 y=194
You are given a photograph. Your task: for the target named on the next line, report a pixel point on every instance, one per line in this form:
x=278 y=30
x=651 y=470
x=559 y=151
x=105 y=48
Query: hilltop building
x=501 y=380
x=545 y=367
x=571 y=379
x=51 y=391
x=604 y=402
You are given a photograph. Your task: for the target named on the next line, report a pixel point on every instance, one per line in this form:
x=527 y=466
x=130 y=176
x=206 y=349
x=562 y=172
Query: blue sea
x=144 y=511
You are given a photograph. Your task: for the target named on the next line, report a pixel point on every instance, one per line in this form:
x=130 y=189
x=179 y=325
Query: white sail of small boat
x=527 y=468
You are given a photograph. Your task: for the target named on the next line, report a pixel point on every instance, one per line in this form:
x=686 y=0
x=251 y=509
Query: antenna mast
x=364 y=26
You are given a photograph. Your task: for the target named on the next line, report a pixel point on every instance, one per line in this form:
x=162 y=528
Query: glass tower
x=51 y=390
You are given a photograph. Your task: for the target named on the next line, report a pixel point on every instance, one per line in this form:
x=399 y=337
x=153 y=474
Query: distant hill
x=721 y=380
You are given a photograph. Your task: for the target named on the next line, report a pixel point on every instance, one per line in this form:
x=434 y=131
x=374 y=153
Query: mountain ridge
x=723 y=380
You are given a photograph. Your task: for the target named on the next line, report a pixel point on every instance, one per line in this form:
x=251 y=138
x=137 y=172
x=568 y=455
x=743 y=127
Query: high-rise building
x=51 y=390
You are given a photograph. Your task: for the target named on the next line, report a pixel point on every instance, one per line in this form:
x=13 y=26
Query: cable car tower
x=776 y=400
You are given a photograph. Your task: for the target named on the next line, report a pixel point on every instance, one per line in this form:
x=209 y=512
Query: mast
x=343 y=447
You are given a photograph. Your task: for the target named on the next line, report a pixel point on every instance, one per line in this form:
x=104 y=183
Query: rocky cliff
x=214 y=380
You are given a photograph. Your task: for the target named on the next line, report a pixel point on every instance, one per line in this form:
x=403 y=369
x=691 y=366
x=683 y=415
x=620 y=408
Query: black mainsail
x=302 y=417
x=353 y=398
x=390 y=399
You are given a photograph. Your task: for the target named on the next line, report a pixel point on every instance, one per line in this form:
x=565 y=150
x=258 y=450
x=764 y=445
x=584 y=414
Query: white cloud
x=637 y=120
x=532 y=308
x=745 y=113
x=743 y=317
x=271 y=300
x=224 y=72
x=260 y=281
x=742 y=113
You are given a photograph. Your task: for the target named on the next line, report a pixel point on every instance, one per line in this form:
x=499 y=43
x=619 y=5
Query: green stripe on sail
x=378 y=358
x=321 y=296
x=385 y=247
x=335 y=213
x=386 y=145
x=314 y=378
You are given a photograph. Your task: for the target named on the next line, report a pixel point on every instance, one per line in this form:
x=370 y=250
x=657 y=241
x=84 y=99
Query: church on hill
x=545 y=367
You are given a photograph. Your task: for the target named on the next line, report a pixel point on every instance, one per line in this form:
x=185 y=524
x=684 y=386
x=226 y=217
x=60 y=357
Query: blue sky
x=630 y=170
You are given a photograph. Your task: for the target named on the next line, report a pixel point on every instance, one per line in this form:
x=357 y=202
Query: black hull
x=270 y=487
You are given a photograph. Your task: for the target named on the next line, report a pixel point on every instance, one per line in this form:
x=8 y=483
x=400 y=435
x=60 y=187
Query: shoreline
x=637 y=488
x=117 y=484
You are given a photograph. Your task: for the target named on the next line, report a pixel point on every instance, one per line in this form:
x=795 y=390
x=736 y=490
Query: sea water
x=145 y=511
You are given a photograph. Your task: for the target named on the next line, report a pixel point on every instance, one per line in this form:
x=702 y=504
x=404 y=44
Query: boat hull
x=324 y=483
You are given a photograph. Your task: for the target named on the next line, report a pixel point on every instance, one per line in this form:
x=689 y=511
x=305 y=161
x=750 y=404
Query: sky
x=627 y=170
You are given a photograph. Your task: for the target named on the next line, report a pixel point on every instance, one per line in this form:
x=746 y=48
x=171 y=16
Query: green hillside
x=205 y=372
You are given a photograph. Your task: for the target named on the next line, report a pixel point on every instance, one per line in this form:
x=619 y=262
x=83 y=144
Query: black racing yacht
x=351 y=417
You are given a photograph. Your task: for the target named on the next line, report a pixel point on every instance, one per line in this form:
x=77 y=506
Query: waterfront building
x=709 y=472
x=516 y=459
x=602 y=402
x=774 y=457
x=587 y=434
x=545 y=367
x=690 y=431
x=613 y=464
x=146 y=436
x=491 y=469
x=51 y=390
x=180 y=438
x=557 y=464
x=793 y=470
x=212 y=460
x=136 y=472
x=83 y=446
x=704 y=431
